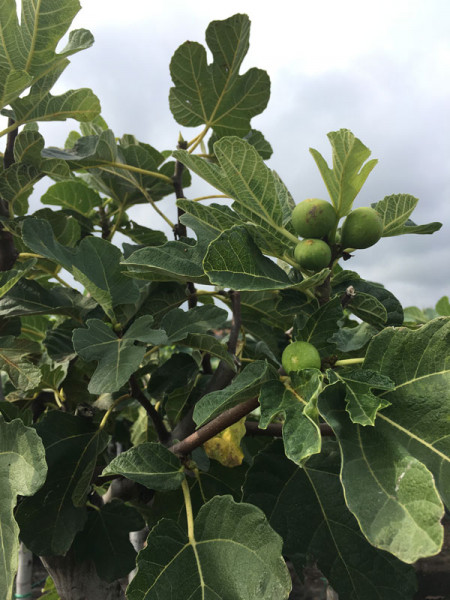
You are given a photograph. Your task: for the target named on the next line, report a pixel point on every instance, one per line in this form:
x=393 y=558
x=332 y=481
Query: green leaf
x=246 y=385
x=8 y=279
x=149 y=464
x=50 y=519
x=216 y=95
x=350 y=169
x=235 y=536
x=22 y=472
x=143 y=235
x=28 y=147
x=179 y=261
x=95 y=263
x=73 y=195
x=301 y=433
x=443 y=306
x=23 y=374
x=179 y=323
x=395 y=211
x=391 y=493
x=28 y=297
x=372 y=302
x=321 y=326
x=218 y=217
x=234 y=260
x=117 y=358
x=320 y=528
x=209 y=344
x=105 y=540
x=348 y=339
x=258 y=193
x=16 y=185
x=362 y=404
x=418 y=362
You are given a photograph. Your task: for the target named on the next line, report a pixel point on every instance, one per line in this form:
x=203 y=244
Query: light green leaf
x=395 y=211
x=362 y=404
x=216 y=95
x=149 y=464
x=22 y=472
x=350 y=169
x=235 y=536
x=301 y=433
x=320 y=528
x=246 y=385
x=73 y=195
x=391 y=493
x=443 y=306
x=28 y=147
x=50 y=519
x=418 y=418
x=258 y=193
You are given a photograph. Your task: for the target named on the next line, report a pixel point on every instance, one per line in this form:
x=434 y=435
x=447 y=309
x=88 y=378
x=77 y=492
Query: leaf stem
x=210 y=197
x=189 y=512
x=126 y=167
x=111 y=408
x=29 y=255
x=197 y=140
x=349 y=361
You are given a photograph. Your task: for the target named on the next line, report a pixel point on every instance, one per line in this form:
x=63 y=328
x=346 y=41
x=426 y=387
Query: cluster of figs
x=316 y=222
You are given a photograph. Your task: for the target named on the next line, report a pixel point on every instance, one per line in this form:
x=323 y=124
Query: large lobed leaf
x=216 y=95
x=390 y=492
x=306 y=506
x=22 y=472
x=233 y=554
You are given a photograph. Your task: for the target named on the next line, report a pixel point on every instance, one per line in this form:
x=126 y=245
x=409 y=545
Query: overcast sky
x=379 y=69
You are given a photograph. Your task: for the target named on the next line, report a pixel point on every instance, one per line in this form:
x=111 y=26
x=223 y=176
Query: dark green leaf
x=216 y=95
x=50 y=519
x=246 y=385
x=149 y=464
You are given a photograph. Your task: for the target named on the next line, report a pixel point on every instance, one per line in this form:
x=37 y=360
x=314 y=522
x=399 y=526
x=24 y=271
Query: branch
x=158 y=424
x=8 y=252
x=208 y=431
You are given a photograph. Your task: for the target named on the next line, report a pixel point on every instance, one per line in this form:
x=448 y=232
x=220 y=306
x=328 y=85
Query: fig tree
x=313 y=218
x=313 y=255
x=300 y=355
x=362 y=228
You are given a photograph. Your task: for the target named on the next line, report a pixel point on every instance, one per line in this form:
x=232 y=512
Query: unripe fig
x=313 y=218
x=313 y=255
x=362 y=228
x=300 y=355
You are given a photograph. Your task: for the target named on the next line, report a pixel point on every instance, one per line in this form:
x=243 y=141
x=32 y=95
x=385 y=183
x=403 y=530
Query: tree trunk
x=79 y=581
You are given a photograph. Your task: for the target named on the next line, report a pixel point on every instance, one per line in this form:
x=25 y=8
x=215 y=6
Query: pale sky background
x=380 y=69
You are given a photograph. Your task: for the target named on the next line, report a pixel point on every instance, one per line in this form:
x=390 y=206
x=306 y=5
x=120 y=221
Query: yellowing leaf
x=226 y=447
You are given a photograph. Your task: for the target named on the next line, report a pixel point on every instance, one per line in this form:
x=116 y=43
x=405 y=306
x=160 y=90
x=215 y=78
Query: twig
x=350 y=293
x=158 y=424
